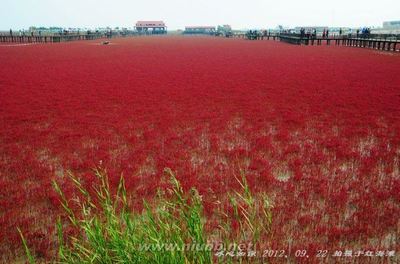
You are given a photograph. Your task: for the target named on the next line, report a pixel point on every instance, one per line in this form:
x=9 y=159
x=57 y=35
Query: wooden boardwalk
x=378 y=42
x=47 y=38
x=58 y=37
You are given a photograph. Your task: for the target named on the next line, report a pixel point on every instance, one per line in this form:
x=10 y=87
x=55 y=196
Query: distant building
x=151 y=27
x=207 y=30
x=391 y=24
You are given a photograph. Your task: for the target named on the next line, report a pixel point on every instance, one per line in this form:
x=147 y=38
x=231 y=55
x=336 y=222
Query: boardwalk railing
x=386 y=42
x=379 y=42
x=58 y=37
x=374 y=41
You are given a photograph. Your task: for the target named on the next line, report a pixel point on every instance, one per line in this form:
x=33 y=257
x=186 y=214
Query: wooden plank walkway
x=48 y=38
x=58 y=37
x=378 y=42
x=372 y=42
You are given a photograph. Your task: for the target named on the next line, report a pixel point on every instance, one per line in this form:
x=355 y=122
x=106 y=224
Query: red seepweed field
x=316 y=128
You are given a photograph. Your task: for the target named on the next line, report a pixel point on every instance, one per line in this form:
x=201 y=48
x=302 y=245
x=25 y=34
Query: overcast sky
x=177 y=14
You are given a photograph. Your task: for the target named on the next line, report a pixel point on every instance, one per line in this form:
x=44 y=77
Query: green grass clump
x=107 y=231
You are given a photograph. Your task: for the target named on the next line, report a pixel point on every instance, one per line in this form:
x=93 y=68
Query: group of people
x=365 y=32
x=325 y=33
x=252 y=34
x=309 y=33
x=312 y=33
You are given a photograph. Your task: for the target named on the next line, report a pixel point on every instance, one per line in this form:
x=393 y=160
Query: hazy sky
x=18 y=14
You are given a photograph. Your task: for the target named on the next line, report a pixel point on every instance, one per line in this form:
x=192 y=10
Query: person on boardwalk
x=327 y=33
x=314 y=35
x=10 y=32
x=340 y=32
x=367 y=32
x=309 y=33
x=302 y=32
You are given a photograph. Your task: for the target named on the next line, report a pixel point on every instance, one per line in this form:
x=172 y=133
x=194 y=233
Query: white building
x=391 y=24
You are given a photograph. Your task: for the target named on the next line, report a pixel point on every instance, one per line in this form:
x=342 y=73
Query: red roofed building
x=151 y=27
